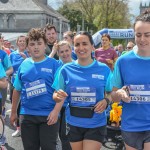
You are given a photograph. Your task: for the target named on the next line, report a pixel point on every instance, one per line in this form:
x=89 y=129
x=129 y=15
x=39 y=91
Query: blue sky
x=133 y=5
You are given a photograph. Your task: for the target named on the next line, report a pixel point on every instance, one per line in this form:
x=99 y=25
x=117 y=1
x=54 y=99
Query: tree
x=97 y=14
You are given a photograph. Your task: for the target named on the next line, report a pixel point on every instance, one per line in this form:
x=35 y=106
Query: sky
x=133 y=5
x=135 y=10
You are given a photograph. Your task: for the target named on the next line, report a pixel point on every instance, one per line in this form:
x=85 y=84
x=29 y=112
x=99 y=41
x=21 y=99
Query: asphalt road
x=15 y=143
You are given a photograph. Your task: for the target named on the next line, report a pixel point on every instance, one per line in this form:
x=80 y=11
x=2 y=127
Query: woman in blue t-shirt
x=131 y=85
x=83 y=84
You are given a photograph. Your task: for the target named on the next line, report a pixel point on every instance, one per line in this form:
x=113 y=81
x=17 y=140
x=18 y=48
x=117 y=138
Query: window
x=11 y=21
x=1 y=22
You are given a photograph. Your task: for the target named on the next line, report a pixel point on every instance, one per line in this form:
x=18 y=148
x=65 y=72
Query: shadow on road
x=8 y=147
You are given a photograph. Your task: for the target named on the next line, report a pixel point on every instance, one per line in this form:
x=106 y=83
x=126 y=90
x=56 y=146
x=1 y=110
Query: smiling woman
x=82 y=83
x=128 y=71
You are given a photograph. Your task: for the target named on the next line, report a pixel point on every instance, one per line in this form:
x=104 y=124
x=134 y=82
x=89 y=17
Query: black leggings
x=62 y=131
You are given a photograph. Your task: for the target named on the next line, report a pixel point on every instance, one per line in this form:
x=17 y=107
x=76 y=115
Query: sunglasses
x=129 y=47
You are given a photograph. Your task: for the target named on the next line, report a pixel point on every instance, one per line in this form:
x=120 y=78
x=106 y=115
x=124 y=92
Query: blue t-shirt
x=34 y=80
x=57 y=78
x=5 y=60
x=84 y=81
x=2 y=74
x=16 y=60
x=134 y=71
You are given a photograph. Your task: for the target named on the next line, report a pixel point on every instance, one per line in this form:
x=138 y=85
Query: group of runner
x=67 y=98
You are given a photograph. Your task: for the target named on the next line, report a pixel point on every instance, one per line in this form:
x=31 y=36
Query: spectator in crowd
x=8 y=69
x=116 y=48
x=4 y=60
x=16 y=58
x=5 y=47
x=120 y=49
x=9 y=46
x=64 y=51
x=131 y=85
x=51 y=36
x=129 y=47
x=106 y=54
x=69 y=36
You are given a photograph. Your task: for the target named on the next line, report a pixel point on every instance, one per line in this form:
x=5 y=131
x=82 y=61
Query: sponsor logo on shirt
x=97 y=76
x=46 y=70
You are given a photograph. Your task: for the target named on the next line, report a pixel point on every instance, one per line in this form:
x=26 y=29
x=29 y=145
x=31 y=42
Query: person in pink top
x=106 y=54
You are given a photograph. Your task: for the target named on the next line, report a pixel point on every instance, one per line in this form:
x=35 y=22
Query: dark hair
x=106 y=35
x=49 y=27
x=86 y=34
x=144 y=17
x=70 y=34
x=36 y=34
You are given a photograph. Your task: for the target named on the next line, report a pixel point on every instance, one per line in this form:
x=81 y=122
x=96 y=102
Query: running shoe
x=16 y=133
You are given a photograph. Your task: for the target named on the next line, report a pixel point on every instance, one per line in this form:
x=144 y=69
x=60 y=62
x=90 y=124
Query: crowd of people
x=61 y=89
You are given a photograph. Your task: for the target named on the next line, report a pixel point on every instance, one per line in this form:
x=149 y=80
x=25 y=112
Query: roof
x=12 y=36
x=27 y=6
x=50 y=10
x=19 y=5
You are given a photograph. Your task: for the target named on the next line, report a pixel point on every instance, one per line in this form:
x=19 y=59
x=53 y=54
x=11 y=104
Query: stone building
x=143 y=7
x=18 y=16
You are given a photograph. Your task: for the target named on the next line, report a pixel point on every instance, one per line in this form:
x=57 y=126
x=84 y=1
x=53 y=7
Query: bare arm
x=54 y=50
x=53 y=116
x=3 y=83
x=15 y=103
x=59 y=96
x=103 y=104
x=9 y=71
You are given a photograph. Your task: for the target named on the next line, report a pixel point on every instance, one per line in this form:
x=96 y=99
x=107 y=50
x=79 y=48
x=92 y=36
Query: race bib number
x=84 y=96
x=140 y=93
x=36 y=88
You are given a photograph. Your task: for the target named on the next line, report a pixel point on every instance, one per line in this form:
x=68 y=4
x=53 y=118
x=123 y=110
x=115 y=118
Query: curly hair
x=35 y=34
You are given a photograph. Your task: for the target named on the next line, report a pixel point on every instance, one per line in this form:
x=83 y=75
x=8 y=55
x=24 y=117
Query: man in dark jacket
x=51 y=35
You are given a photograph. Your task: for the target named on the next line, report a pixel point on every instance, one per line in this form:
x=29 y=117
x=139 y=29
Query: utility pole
x=78 y=28
x=82 y=21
